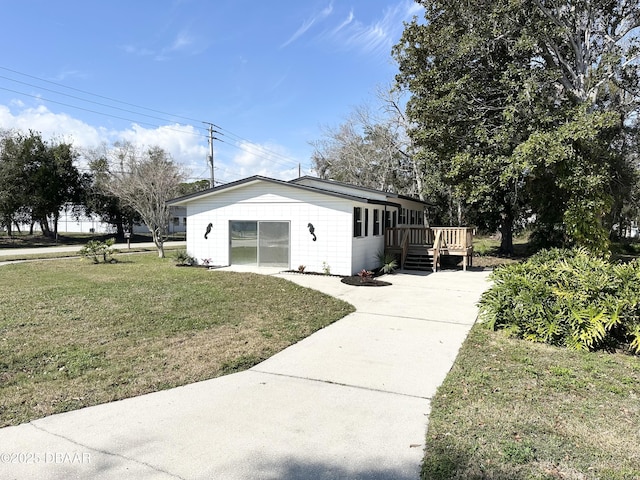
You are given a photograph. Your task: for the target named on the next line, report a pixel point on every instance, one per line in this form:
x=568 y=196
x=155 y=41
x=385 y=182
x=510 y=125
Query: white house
x=317 y=223
x=72 y=221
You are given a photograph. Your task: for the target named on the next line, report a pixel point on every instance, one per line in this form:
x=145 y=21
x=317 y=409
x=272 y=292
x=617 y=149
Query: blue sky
x=269 y=74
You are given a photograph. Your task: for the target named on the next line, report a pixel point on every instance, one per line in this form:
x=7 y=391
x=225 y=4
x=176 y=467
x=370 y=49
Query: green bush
x=181 y=257
x=567 y=298
x=96 y=250
x=388 y=260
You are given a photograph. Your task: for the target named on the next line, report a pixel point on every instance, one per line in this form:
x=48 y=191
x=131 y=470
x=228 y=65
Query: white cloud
x=141 y=52
x=269 y=160
x=65 y=74
x=50 y=125
x=186 y=143
x=348 y=21
x=376 y=37
x=183 y=42
x=308 y=23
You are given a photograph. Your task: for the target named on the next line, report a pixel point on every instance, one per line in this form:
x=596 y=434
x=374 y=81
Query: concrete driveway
x=351 y=401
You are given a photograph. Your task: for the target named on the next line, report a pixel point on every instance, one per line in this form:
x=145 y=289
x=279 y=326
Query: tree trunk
x=159 y=241
x=55 y=225
x=506 y=234
x=44 y=227
x=7 y=223
x=119 y=223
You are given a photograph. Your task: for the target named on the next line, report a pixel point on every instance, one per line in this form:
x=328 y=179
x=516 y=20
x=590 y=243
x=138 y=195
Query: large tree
x=99 y=199
x=490 y=79
x=145 y=181
x=12 y=181
x=592 y=48
x=38 y=179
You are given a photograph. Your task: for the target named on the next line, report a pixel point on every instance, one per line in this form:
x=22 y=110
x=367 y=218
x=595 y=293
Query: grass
x=486 y=247
x=48 y=256
x=511 y=409
x=74 y=334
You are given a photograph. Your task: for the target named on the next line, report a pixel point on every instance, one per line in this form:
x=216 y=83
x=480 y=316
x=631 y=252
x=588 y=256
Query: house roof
x=292 y=184
x=329 y=183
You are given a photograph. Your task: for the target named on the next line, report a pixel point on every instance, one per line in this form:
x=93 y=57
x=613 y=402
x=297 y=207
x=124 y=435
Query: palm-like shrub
x=97 y=250
x=567 y=298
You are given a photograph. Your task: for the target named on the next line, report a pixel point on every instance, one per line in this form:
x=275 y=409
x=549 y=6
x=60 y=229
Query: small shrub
x=97 y=250
x=301 y=268
x=567 y=298
x=206 y=262
x=388 y=261
x=365 y=275
x=326 y=269
x=181 y=257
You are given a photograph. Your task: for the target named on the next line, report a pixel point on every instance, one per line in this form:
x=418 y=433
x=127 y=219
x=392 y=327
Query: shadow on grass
x=456 y=463
x=292 y=467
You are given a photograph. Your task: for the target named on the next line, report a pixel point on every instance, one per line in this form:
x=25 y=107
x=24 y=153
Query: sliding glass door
x=261 y=243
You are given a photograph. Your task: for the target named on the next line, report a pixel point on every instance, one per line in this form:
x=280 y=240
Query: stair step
x=418 y=259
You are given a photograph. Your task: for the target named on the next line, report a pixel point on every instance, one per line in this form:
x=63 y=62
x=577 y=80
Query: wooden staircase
x=421 y=248
x=418 y=258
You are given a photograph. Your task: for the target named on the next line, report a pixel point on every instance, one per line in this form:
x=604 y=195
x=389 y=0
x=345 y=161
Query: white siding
x=330 y=216
x=409 y=205
x=365 y=249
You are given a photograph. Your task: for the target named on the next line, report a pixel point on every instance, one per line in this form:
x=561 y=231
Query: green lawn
x=511 y=409
x=74 y=334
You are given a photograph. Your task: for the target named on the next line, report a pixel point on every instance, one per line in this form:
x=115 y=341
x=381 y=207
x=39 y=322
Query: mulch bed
x=356 y=281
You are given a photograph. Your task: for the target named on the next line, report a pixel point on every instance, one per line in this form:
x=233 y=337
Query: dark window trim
x=357 y=221
x=366 y=222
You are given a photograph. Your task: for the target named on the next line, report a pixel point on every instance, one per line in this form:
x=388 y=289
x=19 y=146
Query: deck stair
x=418 y=258
x=422 y=248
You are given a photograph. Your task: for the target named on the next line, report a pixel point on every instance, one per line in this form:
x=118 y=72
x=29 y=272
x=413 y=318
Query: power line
x=238 y=142
x=85 y=100
x=259 y=147
x=97 y=95
x=101 y=113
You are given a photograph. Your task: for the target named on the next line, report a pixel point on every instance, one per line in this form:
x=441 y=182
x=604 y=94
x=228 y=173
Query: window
x=184 y=221
x=176 y=221
x=387 y=219
x=357 y=221
x=366 y=222
x=376 y=221
x=412 y=219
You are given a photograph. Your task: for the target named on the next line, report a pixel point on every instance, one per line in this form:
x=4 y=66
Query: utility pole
x=210 y=156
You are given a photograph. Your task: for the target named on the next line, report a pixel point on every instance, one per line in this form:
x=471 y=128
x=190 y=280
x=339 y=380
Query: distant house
x=73 y=220
x=317 y=223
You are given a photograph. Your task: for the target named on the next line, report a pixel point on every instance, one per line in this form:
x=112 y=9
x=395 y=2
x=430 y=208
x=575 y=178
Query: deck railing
x=456 y=238
x=415 y=236
x=450 y=241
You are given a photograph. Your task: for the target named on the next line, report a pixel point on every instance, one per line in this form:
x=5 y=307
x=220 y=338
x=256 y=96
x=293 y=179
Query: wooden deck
x=432 y=241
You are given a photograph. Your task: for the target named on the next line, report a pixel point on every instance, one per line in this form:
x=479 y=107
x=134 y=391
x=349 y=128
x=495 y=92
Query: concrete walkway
x=349 y=402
